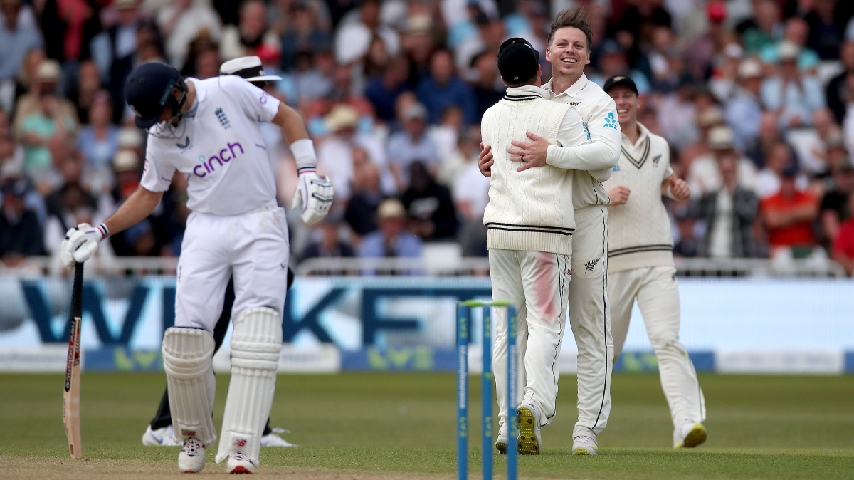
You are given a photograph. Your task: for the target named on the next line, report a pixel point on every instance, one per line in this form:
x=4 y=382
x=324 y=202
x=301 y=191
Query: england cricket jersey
x=218 y=147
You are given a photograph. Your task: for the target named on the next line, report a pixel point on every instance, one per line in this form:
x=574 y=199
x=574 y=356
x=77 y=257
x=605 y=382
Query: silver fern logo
x=589 y=266
x=655 y=160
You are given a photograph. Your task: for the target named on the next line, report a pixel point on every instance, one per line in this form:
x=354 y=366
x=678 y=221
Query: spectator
x=789 y=216
x=119 y=40
x=410 y=144
x=794 y=95
x=183 y=20
x=251 y=35
x=329 y=245
x=744 y=109
x=763 y=29
x=471 y=194
x=16 y=41
x=446 y=133
x=487 y=86
x=301 y=33
x=149 y=48
x=490 y=34
x=383 y=90
x=813 y=152
x=843 y=245
x=825 y=30
x=88 y=85
x=725 y=79
x=837 y=91
x=729 y=214
x=99 y=141
x=69 y=206
x=20 y=232
x=392 y=240
x=68 y=30
x=704 y=174
x=612 y=61
x=361 y=211
x=444 y=88
x=418 y=45
x=343 y=93
x=834 y=205
x=199 y=45
x=686 y=244
x=313 y=71
x=779 y=159
x=795 y=31
x=768 y=136
x=23 y=83
x=354 y=37
x=704 y=48
x=138 y=240
x=429 y=205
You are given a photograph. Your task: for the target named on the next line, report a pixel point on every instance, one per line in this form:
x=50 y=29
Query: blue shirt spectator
x=15 y=40
x=411 y=144
x=383 y=91
x=444 y=88
x=392 y=240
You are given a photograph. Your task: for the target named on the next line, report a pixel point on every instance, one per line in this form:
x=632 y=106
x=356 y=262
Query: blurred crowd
x=756 y=98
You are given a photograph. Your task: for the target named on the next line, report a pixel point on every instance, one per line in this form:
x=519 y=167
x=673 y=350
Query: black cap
x=620 y=80
x=148 y=89
x=518 y=61
x=14 y=186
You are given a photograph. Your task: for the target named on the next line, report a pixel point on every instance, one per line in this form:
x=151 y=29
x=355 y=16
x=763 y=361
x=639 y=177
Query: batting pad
x=256 y=343
x=187 y=359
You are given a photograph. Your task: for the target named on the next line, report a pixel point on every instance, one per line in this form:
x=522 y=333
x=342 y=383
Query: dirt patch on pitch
x=106 y=469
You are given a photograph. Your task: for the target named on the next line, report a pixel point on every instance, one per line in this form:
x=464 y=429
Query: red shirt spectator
x=789 y=215
x=843 y=246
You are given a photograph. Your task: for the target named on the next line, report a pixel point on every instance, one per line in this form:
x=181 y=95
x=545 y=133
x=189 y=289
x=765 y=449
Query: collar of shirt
x=525 y=92
x=572 y=91
x=644 y=132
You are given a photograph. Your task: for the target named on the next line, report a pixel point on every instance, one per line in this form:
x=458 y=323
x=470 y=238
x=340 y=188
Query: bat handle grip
x=77 y=291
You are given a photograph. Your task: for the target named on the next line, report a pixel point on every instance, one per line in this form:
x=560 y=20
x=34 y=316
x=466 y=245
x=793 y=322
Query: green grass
x=402 y=425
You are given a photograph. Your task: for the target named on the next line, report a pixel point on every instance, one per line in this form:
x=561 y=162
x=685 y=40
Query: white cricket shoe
x=528 y=419
x=501 y=440
x=274 y=440
x=192 y=456
x=585 y=444
x=689 y=434
x=239 y=463
x=161 y=437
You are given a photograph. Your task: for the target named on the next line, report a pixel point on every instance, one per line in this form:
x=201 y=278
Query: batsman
x=208 y=131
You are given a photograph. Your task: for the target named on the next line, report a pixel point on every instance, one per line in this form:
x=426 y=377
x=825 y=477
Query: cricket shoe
x=192 y=456
x=689 y=434
x=272 y=439
x=501 y=440
x=161 y=437
x=239 y=463
x=585 y=444
x=528 y=419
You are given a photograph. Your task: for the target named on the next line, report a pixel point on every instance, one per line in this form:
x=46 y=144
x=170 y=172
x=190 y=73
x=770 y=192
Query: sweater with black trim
x=530 y=210
x=639 y=231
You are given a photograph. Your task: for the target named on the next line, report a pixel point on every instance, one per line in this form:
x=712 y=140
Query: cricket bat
x=71 y=396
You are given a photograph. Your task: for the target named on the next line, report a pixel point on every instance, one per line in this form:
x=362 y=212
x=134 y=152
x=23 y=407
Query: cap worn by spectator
x=788 y=51
x=391 y=208
x=749 y=68
x=125 y=161
x=129 y=137
x=419 y=24
x=716 y=11
x=249 y=68
x=620 y=80
x=48 y=71
x=518 y=61
x=341 y=117
x=710 y=117
x=721 y=138
x=16 y=187
x=415 y=111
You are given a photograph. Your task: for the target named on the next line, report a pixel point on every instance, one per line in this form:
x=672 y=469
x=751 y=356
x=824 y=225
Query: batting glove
x=313 y=196
x=81 y=242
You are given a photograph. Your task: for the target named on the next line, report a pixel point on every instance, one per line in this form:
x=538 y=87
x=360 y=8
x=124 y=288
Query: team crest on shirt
x=655 y=160
x=223 y=120
x=589 y=266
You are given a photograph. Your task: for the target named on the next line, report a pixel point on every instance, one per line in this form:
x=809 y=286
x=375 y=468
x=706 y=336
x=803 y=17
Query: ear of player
x=313 y=196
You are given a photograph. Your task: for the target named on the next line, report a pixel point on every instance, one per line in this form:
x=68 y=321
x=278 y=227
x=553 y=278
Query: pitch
x=402 y=425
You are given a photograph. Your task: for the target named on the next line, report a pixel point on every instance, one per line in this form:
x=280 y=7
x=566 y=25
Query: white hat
x=341 y=116
x=788 y=50
x=721 y=138
x=249 y=68
x=710 y=117
x=391 y=208
x=129 y=137
x=749 y=68
x=416 y=110
x=48 y=70
x=125 y=160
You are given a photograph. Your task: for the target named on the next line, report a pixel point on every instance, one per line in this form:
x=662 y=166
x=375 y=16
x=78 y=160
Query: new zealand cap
x=620 y=80
x=518 y=61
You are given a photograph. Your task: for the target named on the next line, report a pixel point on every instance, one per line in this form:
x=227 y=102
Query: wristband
x=304 y=154
x=103 y=230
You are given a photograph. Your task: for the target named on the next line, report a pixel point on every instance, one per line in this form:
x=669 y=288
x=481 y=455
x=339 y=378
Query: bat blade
x=71 y=394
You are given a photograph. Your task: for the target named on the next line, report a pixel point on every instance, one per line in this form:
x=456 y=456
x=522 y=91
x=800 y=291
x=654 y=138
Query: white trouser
x=253 y=246
x=656 y=291
x=590 y=318
x=536 y=282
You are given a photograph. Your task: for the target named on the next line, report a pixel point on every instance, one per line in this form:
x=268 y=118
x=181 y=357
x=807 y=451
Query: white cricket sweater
x=639 y=231
x=529 y=210
x=591 y=162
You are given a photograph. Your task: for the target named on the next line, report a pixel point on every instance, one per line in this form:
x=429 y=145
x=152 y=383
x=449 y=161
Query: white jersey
x=219 y=147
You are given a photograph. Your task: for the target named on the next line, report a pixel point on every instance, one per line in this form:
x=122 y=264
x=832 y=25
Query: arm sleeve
x=602 y=152
x=156 y=173
x=257 y=104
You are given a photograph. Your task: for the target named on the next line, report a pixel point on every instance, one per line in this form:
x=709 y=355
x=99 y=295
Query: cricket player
x=159 y=431
x=529 y=221
x=640 y=260
x=569 y=51
x=208 y=130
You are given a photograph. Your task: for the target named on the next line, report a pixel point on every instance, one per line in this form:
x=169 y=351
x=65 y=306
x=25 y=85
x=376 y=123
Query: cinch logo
x=207 y=166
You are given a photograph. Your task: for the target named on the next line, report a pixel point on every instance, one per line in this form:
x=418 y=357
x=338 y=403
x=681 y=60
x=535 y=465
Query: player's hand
x=679 y=188
x=313 y=197
x=484 y=160
x=81 y=242
x=619 y=195
x=532 y=154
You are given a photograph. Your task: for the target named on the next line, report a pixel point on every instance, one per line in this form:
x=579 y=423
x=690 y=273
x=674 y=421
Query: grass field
x=365 y=426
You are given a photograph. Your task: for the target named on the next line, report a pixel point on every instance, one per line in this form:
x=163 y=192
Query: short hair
x=576 y=18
